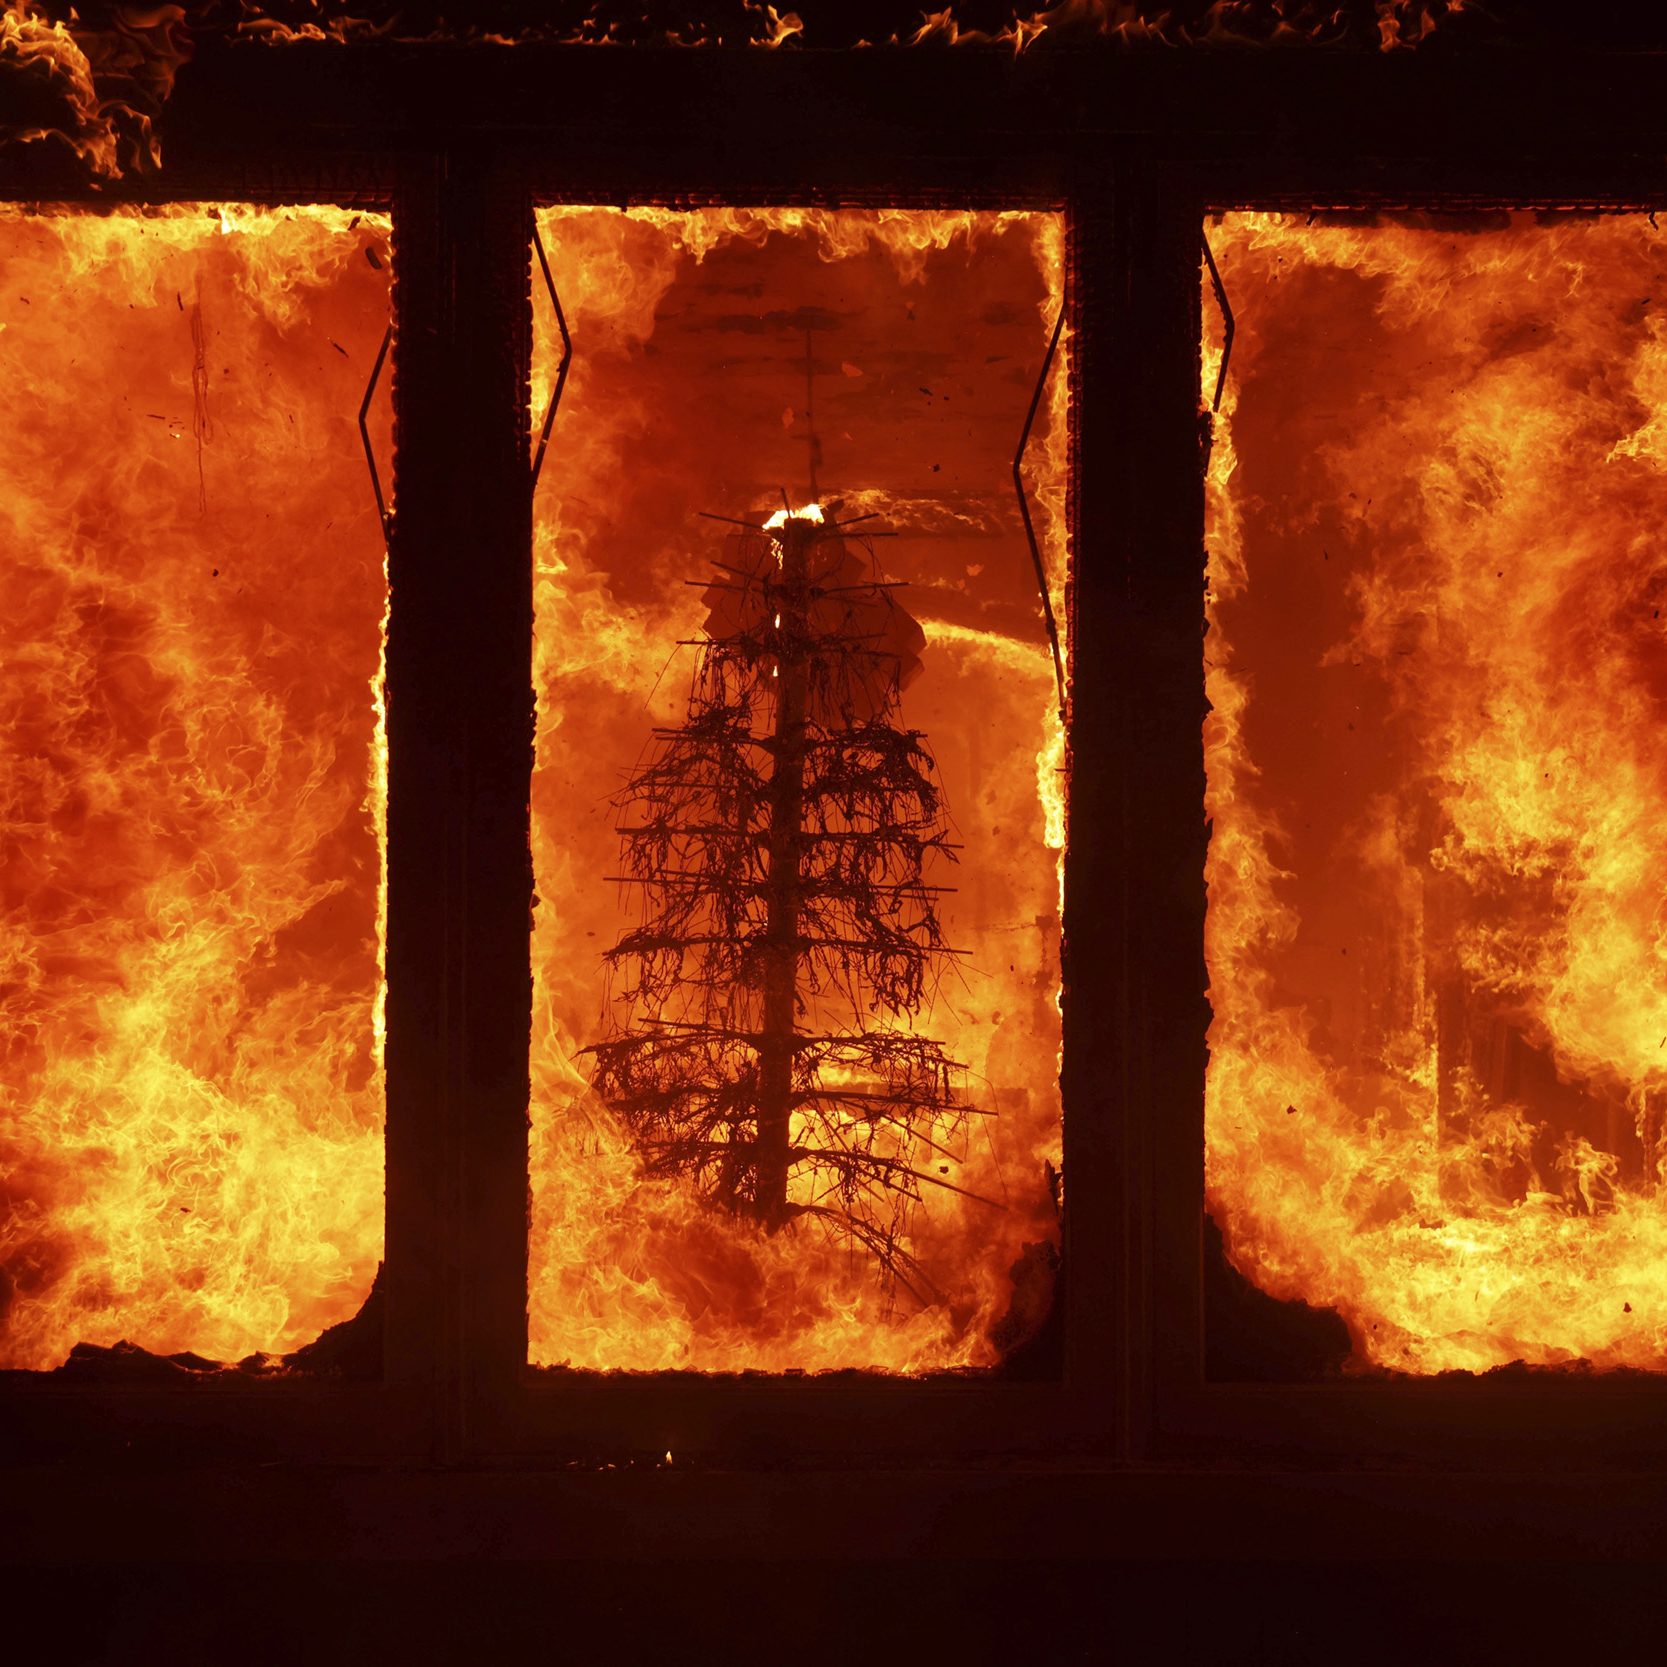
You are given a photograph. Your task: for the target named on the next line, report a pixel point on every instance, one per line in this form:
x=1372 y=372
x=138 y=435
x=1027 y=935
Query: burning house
x=895 y=767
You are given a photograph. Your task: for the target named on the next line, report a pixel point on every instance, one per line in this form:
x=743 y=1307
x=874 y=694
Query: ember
x=194 y=778
x=1437 y=663
x=689 y=392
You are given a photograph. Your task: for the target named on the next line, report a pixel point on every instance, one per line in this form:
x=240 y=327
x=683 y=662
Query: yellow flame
x=51 y=50
x=811 y=513
x=627 y=1271
x=1454 y=1135
x=194 y=778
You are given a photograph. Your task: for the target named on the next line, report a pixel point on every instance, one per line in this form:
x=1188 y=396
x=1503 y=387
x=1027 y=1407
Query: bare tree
x=779 y=840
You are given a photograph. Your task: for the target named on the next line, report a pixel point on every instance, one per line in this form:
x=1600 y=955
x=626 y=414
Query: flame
x=194 y=778
x=810 y=512
x=781 y=27
x=49 y=52
x=1409 y=23
x=1401 y=24
x=629 y=1272
x=1437 y=663
x=756 y=24
x=110 y=81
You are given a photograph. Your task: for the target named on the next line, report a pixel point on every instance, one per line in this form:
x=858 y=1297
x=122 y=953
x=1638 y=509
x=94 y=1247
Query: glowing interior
x=1437 y=664
x=193 y=600
x=688 y=393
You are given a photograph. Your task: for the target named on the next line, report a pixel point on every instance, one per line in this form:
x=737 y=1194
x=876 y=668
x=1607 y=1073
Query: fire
x=1400 y=24
x=688 y=393
x=194 y=778
x=108 y=81
x=1407 y=23
x=780 y=518
x=1437 y=663
x=755 y=24
x=776 y=28
x=49 y=52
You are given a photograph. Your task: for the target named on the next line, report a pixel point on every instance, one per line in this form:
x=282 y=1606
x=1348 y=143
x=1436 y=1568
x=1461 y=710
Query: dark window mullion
x=1134 y=1004
x=460 y=759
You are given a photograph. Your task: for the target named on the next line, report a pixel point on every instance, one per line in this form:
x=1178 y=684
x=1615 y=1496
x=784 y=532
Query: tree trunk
x=781 y=881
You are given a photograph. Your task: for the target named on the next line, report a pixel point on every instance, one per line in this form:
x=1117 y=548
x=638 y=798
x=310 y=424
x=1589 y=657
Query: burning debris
x=781 y=839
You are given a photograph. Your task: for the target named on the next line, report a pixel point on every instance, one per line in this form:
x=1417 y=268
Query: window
x=195 y=782
x=1434 y=658
x=878 y=365
x=527 y=647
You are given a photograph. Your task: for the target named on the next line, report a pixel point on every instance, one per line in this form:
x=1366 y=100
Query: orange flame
x=1437 y=665
x=194 y=778
x=49 y=53
x=670 y=409
x=765 y=26
x=781 y=27
x=1408 y=23
x=1401 y=24
x=110 y=82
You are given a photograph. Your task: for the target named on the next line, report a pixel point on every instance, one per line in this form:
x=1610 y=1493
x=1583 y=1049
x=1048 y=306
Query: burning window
x=795 y=1099
x=194 y=592
x=1437 y=664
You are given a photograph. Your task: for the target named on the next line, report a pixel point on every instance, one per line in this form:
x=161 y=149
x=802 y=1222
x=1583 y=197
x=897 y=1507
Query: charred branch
x=780 y=840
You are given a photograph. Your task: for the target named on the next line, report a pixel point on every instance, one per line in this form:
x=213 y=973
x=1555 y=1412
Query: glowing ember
x=193 y=595
x=688 y=393
x=1437 y=662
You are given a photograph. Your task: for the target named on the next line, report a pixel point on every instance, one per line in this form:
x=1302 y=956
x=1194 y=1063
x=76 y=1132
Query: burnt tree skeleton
x=763 y=1047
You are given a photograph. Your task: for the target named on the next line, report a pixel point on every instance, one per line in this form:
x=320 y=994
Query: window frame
x=1136 y=148
x=849 y=1416
x=1492 y=1422
x=221 y=1418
